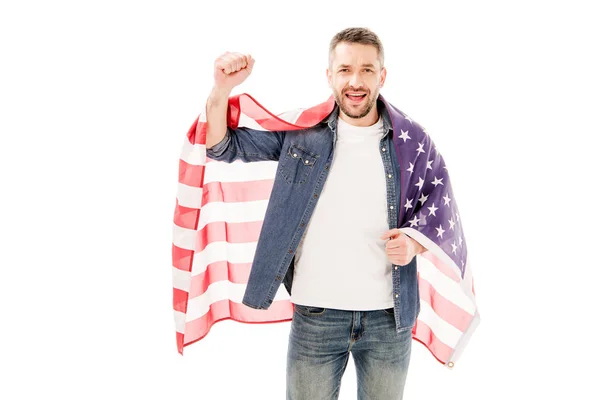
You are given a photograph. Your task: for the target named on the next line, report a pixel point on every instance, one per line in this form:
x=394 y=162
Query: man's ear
x=383 y=75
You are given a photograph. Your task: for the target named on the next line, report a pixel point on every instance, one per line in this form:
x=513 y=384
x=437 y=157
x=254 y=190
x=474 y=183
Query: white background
x=96 y=99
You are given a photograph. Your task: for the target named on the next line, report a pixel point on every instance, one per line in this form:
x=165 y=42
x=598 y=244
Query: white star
x=404 y=135
x=429 y=164
x=420 y=183
x=410 y=169
x=408 y=204
x=440 y=231
x=447 y=200
x=414 y=221
x=460 y=241
x=437 y=181
x=420 y=149
x=454 y=247
x=451 y=224
x=446 y=168
x=432 y=209
x=457 y=217
x=423 y=198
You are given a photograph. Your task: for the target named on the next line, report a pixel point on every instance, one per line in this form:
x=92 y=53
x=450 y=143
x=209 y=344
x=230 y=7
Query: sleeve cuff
x=218 y=149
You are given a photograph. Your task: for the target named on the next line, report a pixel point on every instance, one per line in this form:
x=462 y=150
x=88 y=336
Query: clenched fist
x=401 y=249
x=231 y=69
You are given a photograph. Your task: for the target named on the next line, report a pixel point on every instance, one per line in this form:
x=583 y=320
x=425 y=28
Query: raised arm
x=223 y=143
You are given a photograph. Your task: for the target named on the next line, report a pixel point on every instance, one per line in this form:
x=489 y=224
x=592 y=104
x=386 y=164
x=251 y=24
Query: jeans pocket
x=309 y=310
x=389 y=311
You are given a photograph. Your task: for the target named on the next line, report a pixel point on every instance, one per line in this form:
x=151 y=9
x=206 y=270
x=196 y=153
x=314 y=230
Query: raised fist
x=231 y=69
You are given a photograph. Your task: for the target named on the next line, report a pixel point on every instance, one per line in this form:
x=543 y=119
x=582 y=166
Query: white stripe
x=445 y=332
x=179 y=321
x=194 y=154
x=445 y=286
x=189 y=196
x=221 y=290
x=248 y=122
x=184 y=238
x=292 y=115
x=464 y=340
x=237 y=253
x=246 y=211
x=239 y=171
x=181 y=279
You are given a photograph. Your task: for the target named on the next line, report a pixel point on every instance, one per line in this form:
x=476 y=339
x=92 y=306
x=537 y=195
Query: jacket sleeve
x=247 y=145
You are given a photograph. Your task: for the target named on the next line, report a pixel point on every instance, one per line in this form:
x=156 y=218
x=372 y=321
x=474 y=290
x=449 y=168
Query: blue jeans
x=321 y=340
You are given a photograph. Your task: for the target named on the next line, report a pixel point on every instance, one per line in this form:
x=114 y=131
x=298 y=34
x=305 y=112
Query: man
x=343 y=291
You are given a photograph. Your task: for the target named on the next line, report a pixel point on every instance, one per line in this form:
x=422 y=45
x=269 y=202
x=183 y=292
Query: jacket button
x=383 y=149
x=396 y=267
x=327 y=167
x=396 y=295
x=315 y=196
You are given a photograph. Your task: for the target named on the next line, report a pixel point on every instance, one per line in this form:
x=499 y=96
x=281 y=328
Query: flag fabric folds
x=220 y=208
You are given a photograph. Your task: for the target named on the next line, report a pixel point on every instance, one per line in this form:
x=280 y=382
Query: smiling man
x=332 y=226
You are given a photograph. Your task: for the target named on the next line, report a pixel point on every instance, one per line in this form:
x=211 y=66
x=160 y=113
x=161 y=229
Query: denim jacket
x=305 y=157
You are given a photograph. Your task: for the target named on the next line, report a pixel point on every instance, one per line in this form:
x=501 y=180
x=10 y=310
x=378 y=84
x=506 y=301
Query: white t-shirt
x=340 y=261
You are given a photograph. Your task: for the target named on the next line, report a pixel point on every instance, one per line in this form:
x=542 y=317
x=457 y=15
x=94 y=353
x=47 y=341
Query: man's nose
x=355 y=81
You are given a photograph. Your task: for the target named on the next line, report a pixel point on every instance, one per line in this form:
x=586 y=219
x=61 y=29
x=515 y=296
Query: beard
x=353 y=111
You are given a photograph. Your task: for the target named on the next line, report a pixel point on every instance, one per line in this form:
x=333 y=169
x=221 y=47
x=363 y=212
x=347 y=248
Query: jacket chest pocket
x=297 y=164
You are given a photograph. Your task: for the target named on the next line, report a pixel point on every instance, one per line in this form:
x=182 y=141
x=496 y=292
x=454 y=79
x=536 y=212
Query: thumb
x=389 y=234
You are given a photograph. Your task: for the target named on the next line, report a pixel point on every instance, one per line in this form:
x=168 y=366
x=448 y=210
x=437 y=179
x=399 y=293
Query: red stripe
x=182 y=258
x=231 y=232
x=422 y=332
x=443 y=307
x=279 y=311
x=179 y=340
x=254 y=110
x=180 y=299
x=191 y=175
x=185 y=217
x=237 y=192
x=441 y=266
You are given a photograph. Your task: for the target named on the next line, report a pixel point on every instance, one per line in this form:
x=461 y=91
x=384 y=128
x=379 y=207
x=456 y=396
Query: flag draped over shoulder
x=220 y=208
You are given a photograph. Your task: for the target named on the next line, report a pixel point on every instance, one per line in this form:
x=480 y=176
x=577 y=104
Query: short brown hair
x=357 y=35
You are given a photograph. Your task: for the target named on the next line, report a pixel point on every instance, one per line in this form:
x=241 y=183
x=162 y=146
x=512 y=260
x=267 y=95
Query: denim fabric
x=304 y=159
x=321 y=341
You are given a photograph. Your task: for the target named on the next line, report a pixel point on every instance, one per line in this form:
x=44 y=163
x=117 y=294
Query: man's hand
x=231 y=69
x=401 y=249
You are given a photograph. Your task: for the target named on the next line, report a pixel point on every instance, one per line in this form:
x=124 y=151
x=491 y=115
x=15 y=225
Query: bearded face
x=355 y=77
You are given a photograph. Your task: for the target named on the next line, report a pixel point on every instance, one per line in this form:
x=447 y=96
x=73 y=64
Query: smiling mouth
x=356 y=97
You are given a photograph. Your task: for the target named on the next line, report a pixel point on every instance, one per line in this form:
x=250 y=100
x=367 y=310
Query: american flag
x=220 y=208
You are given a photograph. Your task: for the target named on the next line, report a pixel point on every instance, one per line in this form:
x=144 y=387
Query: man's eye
x=369 y=70
x=344 y=70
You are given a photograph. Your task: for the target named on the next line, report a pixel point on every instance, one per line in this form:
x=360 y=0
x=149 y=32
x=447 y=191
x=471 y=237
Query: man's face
x=355 y=76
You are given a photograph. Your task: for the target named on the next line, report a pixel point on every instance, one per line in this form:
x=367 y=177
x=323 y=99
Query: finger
x=241 y=61
x=250 y=63
x=389 y=234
